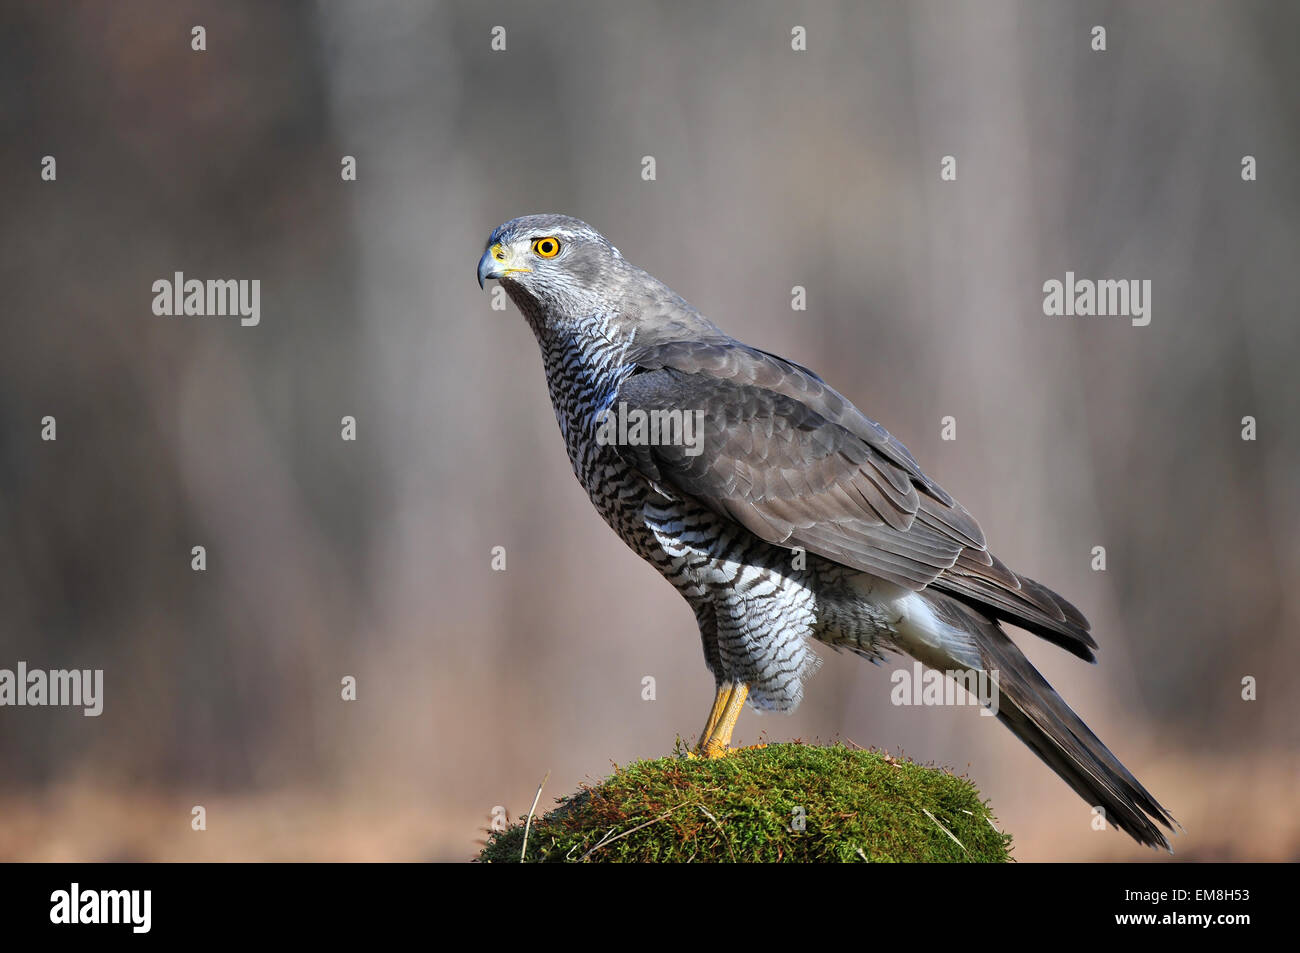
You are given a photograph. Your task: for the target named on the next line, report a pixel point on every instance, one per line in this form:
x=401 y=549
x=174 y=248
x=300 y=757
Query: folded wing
x=790 y=459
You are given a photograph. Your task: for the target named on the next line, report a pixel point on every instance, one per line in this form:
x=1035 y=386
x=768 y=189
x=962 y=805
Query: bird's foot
x=718 y=751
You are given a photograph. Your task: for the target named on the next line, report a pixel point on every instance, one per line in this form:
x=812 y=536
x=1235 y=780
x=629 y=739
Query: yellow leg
x=715 y=713
x=727 y=706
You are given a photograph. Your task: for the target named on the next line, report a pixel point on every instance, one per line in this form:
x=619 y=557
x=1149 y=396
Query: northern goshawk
x=788 y=517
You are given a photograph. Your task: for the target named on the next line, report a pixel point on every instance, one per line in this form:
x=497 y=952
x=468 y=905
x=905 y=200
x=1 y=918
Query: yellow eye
x=546 y=247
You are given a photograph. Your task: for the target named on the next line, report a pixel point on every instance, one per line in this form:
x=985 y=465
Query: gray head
x=552 y=263
x=566 y=278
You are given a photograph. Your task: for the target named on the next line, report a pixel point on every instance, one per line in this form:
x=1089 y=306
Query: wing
x=790 y=459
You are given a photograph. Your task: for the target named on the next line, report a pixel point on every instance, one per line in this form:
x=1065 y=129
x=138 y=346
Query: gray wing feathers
x=791 y=460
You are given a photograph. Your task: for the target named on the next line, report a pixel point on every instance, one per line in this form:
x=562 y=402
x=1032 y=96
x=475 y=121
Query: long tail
x=1031 y=708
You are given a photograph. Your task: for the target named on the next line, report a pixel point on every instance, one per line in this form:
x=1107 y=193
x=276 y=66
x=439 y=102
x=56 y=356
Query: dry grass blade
x=945 y=830
x=523 y=851
x=607 y=840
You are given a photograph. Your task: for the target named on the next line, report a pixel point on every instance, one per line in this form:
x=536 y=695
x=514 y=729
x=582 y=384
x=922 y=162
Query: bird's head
x=545 y=251
x=550 y=262
x=561 y=273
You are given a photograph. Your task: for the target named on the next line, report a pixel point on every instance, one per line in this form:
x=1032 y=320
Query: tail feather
x=1043 y=721
x=1031 y=708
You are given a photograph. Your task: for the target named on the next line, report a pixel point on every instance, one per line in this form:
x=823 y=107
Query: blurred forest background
x=775 y=168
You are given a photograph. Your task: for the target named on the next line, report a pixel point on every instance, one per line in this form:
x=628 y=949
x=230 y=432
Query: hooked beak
x=495 y=263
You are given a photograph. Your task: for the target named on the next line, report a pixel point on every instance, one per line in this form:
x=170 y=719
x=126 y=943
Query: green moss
x=855 y=805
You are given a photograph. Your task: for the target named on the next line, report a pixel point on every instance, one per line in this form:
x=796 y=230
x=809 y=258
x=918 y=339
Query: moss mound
x=785 y=802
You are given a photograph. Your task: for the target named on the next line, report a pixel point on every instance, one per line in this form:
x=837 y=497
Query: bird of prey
x=789 y=517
